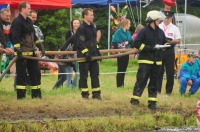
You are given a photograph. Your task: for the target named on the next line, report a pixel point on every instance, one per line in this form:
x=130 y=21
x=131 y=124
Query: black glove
x=88 y=57
x=85 y=52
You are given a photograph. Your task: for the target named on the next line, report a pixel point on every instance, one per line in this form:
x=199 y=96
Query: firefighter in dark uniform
x=150 y=58
x=25 y=42
x=87 y=47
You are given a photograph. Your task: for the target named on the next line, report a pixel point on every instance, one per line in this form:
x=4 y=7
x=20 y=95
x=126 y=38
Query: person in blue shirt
x=189 y=75
x=121 y=40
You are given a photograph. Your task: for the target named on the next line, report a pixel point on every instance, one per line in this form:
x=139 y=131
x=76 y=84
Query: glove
x=86 y=54
x=40 y=46
x=98 y=53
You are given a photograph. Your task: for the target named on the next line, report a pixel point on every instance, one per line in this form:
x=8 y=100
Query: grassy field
x=65 y=110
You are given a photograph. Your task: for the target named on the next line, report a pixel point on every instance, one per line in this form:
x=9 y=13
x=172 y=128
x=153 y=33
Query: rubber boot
x=96 y=95
x=36 y=93
x=21 y=93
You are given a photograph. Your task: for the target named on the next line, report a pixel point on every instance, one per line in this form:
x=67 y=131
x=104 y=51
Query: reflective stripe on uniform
x=145 y=61
x=20 y=87
x=17 y=45
x=141 y=47
x=84 y=89
x=97 y=46
x=136 y=97
x=25 y=53
x=37 y=42
x=96 y=89
x=36 y=87
x=152 y=99
x=84 y=51
x=159 y=62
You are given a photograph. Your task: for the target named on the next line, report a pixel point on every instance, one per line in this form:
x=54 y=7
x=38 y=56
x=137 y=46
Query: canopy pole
x=185 y=24
x=109 y=13
x=140 y=12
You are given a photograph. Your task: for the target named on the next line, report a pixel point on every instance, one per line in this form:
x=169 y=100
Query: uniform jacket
x=145 y=42
x=86 y=38
x=23 y=33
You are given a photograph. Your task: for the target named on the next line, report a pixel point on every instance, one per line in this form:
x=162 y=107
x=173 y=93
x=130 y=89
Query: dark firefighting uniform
x=87 y=47
x=150 y=61
x=24 y=40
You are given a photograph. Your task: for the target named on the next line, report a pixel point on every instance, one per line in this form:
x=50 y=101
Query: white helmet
x=154 y=15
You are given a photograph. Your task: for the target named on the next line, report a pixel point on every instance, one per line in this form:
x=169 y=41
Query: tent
x=105 y=3
x=40 y=4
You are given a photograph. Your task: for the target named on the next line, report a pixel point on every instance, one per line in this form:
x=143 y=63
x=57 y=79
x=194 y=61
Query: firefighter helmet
x=154 y=15
x=169 y=2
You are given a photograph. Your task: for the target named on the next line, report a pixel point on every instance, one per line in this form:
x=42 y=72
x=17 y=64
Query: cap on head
x=193 y=55
x=169 y=2
x=154 y=15
x=168 y=14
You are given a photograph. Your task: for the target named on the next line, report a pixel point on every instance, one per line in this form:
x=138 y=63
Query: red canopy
x=40 y=4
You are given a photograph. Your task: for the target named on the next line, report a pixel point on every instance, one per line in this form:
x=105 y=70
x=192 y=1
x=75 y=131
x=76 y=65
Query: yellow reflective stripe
x=17 y=45
x=97 y=46
x=25 y=53
x=37 y=42
x=84 y=51
x=141 y=47
x=152 y=99
x=136 y=97
x=145 y=61
x=36 y=87
x=159 y=62
x=20 y=87
x=96 y=89
x=84 y=89
x=81 y=61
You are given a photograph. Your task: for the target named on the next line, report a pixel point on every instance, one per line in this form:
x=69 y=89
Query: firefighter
x=25 y=41
x=87 y=47
x=150 y=58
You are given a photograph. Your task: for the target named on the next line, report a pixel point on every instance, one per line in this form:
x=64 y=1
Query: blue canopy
x=3 y=6
x=101 y=3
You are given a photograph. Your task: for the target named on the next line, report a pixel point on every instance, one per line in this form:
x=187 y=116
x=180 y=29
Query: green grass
x=65 y=110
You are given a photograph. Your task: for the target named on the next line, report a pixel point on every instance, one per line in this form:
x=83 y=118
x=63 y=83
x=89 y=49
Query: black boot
x=36 y=93
x=134 y=102
x=85 y=95
x=152 y=105
x=96 y=95
x=21 y=93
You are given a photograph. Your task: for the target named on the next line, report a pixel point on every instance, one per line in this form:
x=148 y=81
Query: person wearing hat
x=173 y=37
x=189 y=75
x=150 y=58
x=168 y=4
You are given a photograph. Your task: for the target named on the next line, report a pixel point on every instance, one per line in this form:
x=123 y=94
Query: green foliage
x=54 y=25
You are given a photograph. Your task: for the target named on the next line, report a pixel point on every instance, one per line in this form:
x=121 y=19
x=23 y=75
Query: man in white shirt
x=173 y=36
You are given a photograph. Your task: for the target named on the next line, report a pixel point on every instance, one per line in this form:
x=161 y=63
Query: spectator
x=137 y=29
x=121 y=40
x=173 y=36
x=189 y=75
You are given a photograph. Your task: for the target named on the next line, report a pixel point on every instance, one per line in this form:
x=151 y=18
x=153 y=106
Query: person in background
x=24 y=40
x=173 y=37
x=168 y=4
x=150 y=58
x=67 y=67
x=121 y=40
x=38 y=32
x=6 y=48
x=189 y=75
x=72 y=46
x=137 y=29
x=87 y=47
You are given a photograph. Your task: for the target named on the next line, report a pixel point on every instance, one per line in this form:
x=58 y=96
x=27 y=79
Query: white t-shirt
x=171 y=31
